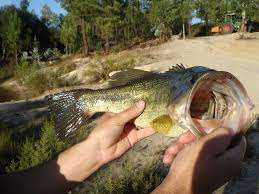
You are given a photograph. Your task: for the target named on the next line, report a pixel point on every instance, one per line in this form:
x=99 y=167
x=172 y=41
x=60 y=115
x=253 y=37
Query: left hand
x=115 y=133
x=186 y=139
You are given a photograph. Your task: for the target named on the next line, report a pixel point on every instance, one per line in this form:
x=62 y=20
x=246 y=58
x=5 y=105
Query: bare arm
x=56 y=176
x=108 y=141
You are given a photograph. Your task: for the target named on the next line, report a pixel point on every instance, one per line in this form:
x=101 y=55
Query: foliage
x=7 y=147
x=36 y=152
x=38 y=80
x=163 y=15
x=5 y=72
x=101 y=69
x=10 y=32
x=139 y=181
x=68 y=33
x=51 y=54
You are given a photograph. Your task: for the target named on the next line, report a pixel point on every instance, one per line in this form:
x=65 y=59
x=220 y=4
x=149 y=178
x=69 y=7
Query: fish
x=198 y=99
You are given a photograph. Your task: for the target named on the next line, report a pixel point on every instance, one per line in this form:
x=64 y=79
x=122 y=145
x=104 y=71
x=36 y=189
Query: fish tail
x=68 y=115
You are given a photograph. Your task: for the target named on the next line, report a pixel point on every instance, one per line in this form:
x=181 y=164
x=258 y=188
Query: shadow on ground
x=248 y=181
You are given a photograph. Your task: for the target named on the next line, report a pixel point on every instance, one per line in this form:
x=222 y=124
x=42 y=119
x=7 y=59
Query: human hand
x=204 y=165
x=116 y=133
x=187 y=138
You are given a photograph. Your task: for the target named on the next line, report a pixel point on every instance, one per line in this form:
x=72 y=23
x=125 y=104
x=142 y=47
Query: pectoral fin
x=165 y=125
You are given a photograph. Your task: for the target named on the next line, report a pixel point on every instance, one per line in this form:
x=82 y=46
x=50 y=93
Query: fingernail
x=166 y=160
x=140 y=104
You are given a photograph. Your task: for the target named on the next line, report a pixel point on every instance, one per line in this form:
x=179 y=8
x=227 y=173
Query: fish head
x=211 y=99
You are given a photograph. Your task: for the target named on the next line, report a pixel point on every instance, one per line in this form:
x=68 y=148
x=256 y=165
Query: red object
x=227 y=28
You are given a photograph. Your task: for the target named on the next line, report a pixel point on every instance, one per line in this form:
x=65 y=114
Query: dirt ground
x=239 y=57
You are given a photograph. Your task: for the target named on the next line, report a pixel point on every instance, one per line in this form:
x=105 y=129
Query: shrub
x=7 y=147
x=38 y=81
x=101 y=69
x=5 y=72
x=34 y=152
x=132 y=181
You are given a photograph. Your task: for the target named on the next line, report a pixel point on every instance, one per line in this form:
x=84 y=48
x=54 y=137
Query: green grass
x=130 y=181
x=5 y=73
x=99 y=69
x=33 y=152
x=37 y=81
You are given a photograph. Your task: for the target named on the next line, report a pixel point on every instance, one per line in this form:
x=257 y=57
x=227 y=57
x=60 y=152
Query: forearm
x=80 y=161
x=56 y=176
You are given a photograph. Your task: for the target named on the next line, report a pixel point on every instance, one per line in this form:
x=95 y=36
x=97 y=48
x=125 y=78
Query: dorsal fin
x=177 y=67
x=123 y=77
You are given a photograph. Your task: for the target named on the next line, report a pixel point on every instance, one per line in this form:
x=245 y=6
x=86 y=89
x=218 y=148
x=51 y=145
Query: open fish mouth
x=218 y=99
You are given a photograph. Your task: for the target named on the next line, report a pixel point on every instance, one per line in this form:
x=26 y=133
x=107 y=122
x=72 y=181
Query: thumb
x=218 y=141
x=130 y=113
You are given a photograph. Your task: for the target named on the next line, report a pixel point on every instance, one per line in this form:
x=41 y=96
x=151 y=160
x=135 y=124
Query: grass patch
x=100 y=69
x=5 y=73
x=37 y=81
x=7 y=94
x=33 y=152
x=8 y=147
x=130 y=180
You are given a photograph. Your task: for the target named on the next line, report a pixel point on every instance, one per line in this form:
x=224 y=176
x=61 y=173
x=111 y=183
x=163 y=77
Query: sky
x=36 y=5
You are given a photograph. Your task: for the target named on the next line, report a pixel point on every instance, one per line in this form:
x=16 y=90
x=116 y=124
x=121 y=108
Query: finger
x=172 y=151
x=237 y=152
x=105 y=117
x=187 y=137
x=232 y=158
x=129 y=114
x=143 y=133
x=216 y=142
x=133 y=135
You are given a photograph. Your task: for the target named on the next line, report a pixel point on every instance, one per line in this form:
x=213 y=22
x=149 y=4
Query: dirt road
x=239 y=57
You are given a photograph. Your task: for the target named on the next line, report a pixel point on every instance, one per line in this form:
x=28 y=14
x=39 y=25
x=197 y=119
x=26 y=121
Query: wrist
x=91 y=149
x=171 y=185
x=79 y=162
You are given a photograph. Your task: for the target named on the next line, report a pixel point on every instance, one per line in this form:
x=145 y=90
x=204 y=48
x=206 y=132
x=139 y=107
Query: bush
x=101 y=69
x=38 y=81
x=51 y=54
x=7 y=147
x=5 y=72
x=132 y=181
x=34 y=152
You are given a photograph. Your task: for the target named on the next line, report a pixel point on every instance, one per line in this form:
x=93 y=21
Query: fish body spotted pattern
x=170 y=99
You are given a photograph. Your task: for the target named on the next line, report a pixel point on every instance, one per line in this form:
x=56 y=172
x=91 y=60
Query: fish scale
x=168 y=97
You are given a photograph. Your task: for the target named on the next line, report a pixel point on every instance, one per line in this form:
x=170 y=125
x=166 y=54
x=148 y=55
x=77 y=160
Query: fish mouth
x=218 y=99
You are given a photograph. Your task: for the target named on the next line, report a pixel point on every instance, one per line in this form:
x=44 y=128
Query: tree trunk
x=67 y=52
x=243 y=25
x=189 y=29
x=16 y=56
x=183 y=31
x=85 y=43
x=207 y=24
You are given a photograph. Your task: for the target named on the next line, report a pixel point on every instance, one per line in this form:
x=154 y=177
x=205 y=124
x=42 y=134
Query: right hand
x=204 y=165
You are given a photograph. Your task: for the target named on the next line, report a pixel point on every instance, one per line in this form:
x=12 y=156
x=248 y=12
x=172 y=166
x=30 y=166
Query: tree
x=24 y=4
x=86 y=11
x=68 y=33
x=11 y=33
x=185 y=10
x=248 y=10
x=50 y=18
x=163 y=15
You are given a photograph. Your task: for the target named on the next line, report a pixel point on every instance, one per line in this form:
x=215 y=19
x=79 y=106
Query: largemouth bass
x=178 y=100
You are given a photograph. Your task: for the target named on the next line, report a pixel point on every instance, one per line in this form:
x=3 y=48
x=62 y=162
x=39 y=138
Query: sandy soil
x=239 y=57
